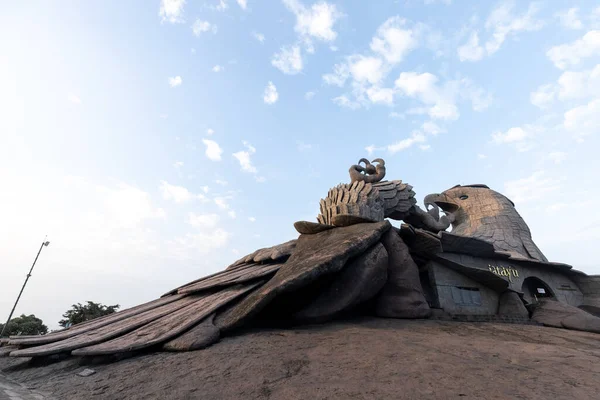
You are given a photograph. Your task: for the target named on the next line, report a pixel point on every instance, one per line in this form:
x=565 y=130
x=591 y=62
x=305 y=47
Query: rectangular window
x=466 y=296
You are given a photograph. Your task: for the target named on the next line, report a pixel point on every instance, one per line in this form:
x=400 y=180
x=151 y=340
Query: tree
x=80 y=313
x=25 y=325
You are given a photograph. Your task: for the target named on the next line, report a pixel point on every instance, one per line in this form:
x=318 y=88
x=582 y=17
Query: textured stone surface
x=479 y=212
x=511 y=304
x=309 y=228
x=402 y=296
x=559 y=315
x=370 y=201
x=360 y=280
x=315 y=256
x=202 y=335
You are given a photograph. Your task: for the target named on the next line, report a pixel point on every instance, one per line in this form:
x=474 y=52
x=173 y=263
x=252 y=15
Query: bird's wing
x=189 y=303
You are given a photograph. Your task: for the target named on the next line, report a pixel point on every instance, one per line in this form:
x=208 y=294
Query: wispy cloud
x=171 y=11
x=213 y=150
x=175 y=81
x=270 y=95
x=199 y=27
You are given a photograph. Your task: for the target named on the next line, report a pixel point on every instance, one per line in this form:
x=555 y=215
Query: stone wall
x=445 y=279
x=561 y=283
x=590 y=287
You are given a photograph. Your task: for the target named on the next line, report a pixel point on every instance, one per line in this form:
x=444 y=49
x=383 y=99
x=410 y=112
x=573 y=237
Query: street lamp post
x=44 y=243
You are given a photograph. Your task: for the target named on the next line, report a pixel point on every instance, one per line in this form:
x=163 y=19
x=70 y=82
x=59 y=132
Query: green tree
x=25 y=325
x=80 y=313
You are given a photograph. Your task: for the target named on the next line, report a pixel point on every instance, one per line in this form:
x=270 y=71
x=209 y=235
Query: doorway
x=534 y=289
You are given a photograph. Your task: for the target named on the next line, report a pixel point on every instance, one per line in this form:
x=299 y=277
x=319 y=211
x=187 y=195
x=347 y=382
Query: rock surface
x=511 y=304
x=559 y=315
x=310 y=228
x=360 y=280
x=402 y=296
x=315 y=256
x=372 y=358
x=199 y=337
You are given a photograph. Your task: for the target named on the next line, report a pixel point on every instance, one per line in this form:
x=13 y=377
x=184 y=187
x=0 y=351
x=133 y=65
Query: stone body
x=478 y=212
x=402 y=296
x=352 y=258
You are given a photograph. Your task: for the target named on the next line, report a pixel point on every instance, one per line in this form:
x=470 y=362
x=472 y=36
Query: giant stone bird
x=480 y=212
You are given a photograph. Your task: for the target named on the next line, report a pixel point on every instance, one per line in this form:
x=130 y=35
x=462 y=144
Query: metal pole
x=44 y=243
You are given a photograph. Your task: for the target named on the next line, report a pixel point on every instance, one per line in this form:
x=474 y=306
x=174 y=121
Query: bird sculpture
x=350 y=259
x=480 y=212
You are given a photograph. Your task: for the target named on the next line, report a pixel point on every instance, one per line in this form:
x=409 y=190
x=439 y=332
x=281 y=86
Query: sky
x=155 y=142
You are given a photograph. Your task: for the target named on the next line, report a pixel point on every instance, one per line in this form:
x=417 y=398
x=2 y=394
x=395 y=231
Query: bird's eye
x=464 y=197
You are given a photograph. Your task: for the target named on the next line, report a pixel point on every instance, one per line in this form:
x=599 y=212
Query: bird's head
x=458 y=203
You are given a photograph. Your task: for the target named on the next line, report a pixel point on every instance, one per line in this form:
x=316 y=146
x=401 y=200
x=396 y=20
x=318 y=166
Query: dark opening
x=535 y=289
x=466 y=296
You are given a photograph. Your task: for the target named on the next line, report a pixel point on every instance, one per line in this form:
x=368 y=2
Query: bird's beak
x=440 y=200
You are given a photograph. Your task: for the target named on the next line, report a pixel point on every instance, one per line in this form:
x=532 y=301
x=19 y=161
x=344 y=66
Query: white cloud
x=231 y=214
x=366 y=69
x=178 y=164
x=309 y=95
x=535 y=187
x=471 y=50
x=222 y=203
x=371 y=149
x=416 y=137
x=569 y=18
x=243 y=156
x=344 y=101
x=583 y=120
x=431 y=128
x=393 y=40
x=175 y=81
x=213 y=150
x=222 y=6
x=270 y=95
x=74 y=98
x=314 y=22
x=581 y=84
x=425 y=147
x=178 y=194
x=571 y=54
x=520 y=137
x=221 y=182
x=379 y=95
x=543 y=96
x=243 y=4
x=288 y=60
x=210 y=131
x=481 y=156
x=424 y=87
x=251 y=219
x=171 y=11
x=217 y=68
x=199 y=27
x=367 y=74
x=570 y=85
x=510 y=136
x=258 y=36
x=208 y=221
x=557 y=156
x=503 y=23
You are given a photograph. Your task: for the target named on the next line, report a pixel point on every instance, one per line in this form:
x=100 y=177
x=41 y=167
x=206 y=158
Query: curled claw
x=369 y=173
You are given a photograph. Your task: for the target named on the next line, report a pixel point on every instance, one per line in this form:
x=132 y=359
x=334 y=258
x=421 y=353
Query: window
x=466 y=296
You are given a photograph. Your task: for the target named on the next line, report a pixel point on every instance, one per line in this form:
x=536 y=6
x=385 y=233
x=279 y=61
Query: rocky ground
x=367 y=358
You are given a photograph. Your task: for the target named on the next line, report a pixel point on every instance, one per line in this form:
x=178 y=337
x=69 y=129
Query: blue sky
x=156 y=142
